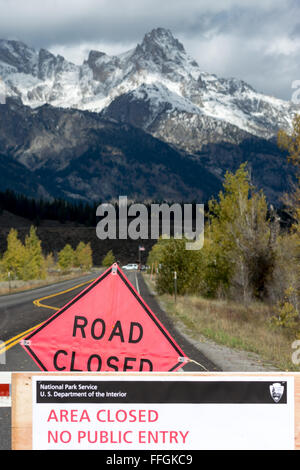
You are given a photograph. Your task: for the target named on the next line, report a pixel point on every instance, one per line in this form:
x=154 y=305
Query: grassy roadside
x=21 y=286
x=231 y=324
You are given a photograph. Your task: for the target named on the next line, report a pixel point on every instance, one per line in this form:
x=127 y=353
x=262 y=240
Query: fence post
x=175 y=285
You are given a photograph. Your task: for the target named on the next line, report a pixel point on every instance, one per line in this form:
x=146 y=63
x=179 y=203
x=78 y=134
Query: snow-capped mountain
x=156 y=86
x=148 y=123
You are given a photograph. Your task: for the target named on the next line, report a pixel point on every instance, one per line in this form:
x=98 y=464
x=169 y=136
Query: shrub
x=108 y=259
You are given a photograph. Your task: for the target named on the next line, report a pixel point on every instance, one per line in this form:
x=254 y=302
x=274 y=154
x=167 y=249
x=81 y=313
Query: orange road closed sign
x=107 y=327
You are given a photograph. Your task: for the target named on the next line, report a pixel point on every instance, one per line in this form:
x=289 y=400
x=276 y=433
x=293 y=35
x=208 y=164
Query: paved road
x=18 y=314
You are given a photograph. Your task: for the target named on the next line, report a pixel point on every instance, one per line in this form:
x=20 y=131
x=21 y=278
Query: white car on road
x=131 y=267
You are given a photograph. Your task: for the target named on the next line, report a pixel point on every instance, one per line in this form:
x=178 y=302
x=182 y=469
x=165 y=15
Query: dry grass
x=21 y=286
x=234 y=325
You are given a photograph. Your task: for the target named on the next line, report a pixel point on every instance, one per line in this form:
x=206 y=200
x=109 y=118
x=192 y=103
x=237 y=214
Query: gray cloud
x=256 y=40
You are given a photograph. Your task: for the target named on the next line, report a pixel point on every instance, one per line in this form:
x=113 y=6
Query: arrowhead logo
x=107 y=327
x=276 y=391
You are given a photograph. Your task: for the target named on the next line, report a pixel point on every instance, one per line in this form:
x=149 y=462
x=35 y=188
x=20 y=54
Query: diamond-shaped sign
x=107 y=327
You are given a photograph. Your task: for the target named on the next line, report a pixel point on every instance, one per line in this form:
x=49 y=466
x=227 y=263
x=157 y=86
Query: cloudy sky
x=255 y=40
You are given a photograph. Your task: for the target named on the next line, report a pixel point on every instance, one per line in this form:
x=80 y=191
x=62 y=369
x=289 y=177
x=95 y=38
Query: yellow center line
x=6 y=345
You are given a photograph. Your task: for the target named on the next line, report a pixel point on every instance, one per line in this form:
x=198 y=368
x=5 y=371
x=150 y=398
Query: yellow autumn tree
x=291 y=256
x=238 y=249
x=66 y=257
x=291 y=143
x=14 y=257
x=108 y=259
x=35 y=266
x=83 y=257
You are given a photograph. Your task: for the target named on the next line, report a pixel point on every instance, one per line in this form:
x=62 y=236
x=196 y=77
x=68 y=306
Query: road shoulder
x=225 y=358
x=199 y=361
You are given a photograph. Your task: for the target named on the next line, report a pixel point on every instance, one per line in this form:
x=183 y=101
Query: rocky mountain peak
x=19 y=56
x=153 y=91
x=160 y=45
x=159 y=73
x=163 y=38
x=93 y=57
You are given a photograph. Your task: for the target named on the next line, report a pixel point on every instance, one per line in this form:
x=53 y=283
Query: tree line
x=61 y=210
x=40 y=209
x=248 y=254
x=26 y=261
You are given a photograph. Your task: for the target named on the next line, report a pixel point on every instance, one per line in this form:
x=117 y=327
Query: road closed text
x=97 y=331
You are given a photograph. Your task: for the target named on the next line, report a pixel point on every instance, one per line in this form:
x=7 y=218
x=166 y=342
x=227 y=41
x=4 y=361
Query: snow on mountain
x=157 y=80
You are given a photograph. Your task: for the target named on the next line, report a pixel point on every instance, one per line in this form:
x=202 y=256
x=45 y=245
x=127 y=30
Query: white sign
x=163 y=412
